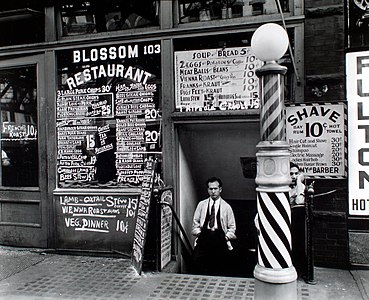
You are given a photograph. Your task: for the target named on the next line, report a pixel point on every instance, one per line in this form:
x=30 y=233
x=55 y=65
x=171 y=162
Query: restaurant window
x=85 y=17
x=108 y=114
x=18 y=122
x=206 y=10
x=21 y=22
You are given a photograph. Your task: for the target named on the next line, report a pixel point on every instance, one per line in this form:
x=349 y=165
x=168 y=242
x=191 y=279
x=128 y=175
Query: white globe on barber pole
x=269 y=42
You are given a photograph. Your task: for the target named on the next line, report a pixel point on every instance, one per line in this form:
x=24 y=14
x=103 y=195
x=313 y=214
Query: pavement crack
x=359 y=284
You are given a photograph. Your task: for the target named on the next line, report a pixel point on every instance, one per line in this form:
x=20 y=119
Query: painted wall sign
x=216 y=79
x=108 y=114
x=357 y=81
x=316 y=134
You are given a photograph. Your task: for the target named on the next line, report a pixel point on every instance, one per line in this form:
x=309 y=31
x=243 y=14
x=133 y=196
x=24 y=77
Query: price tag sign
x=316 y=134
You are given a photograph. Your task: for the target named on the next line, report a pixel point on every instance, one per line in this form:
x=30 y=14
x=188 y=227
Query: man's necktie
x=212 y=216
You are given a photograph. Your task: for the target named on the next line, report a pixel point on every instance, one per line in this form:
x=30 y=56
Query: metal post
x=309 y=238
x=273 y=179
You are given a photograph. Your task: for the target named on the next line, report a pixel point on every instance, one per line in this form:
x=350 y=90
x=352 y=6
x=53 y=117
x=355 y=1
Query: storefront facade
x=93 y=93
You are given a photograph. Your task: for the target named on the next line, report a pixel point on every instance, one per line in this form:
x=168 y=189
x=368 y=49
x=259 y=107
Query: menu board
x=108 y=115
x=216 y=79
x=143 y=215
x=96 y=221
x=316 y=134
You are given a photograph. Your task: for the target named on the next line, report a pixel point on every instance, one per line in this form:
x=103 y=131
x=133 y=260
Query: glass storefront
x=128 y=82
x=108 y=114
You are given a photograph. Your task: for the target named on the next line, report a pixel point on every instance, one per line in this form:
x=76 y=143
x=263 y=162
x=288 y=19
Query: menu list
x=216 y=79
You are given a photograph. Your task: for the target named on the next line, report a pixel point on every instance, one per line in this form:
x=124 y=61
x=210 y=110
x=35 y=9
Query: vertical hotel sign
x=357 y=76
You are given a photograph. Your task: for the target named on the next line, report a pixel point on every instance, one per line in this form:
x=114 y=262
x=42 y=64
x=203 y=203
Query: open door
x=23 y=176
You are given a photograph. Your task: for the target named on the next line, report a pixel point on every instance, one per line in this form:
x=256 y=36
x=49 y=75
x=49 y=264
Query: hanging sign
x=357 y=76
x=216 y=79
x=316 y=134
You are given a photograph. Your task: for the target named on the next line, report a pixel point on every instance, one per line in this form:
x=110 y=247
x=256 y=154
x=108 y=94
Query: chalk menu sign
x=143 y=215
x=96 y=221
x=216 y=79
x=108 y=114
x=316 y=134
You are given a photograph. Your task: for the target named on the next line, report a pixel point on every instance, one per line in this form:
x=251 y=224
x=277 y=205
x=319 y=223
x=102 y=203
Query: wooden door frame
x=30 y=234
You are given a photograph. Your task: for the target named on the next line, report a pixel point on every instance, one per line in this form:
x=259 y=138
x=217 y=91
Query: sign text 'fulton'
x=357 y=68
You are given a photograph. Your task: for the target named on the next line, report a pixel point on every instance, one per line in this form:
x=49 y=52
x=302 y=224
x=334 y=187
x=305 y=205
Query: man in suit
x=214 y=227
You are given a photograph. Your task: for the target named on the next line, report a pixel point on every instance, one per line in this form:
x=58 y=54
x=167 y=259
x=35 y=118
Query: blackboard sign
x=143 y=215
x=96 y=221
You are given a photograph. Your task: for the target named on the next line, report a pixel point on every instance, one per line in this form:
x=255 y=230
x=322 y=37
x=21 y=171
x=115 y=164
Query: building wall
x=325 y=82
x=321 y=52
x=324 y=50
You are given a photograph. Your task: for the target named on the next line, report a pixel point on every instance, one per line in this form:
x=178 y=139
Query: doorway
x=23 y=179
x=219 y=149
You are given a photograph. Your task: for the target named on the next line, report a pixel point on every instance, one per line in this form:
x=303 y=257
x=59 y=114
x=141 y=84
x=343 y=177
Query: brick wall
x=324 y=49
x=330 y=233
x=324 y=65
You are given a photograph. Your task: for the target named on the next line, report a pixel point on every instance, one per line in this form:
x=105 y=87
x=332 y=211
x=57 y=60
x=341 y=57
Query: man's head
x=214 y=186
x=294 y=172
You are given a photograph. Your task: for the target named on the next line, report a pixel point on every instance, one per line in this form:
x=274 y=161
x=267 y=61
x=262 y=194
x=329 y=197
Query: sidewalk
x=33 y=274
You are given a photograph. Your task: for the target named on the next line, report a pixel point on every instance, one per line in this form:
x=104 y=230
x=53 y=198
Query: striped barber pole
x=273 y=179
x=274 y=248
x=272 y=113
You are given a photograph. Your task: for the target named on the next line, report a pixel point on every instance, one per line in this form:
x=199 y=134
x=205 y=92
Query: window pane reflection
x=207 y=10
x=18 y=123
x=85 y=17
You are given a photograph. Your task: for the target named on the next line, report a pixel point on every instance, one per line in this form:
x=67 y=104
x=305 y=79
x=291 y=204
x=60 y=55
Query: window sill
x=212 y=116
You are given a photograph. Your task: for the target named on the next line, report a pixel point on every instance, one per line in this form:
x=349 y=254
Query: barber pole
x=275 y=276
x=273 y=179
x=272 y=113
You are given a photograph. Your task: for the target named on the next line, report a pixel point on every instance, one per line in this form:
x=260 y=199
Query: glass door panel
x=18 y=124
